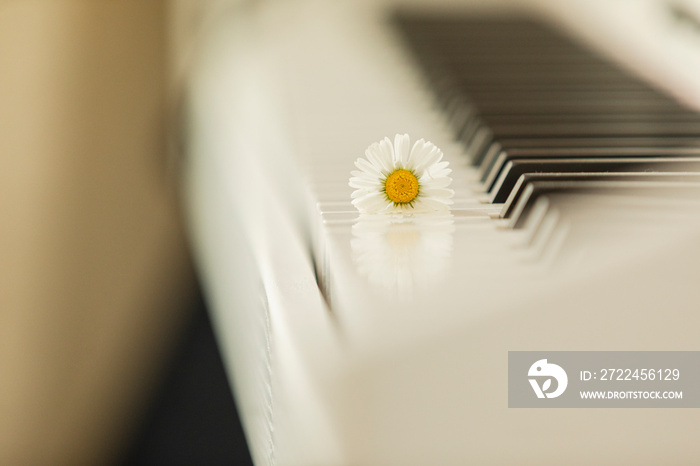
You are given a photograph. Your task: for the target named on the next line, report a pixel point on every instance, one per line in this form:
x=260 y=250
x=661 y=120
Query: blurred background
x=106 y=353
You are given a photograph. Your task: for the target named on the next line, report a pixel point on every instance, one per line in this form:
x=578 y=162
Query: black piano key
x=493 y=172
x=646 y=177
x=602 y=141
x=480 y=137
x=513 y=170
x=607 y=142
x=551 y=189
x=677 y=116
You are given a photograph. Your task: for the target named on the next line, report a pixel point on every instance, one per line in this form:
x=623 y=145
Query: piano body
x=372 y=340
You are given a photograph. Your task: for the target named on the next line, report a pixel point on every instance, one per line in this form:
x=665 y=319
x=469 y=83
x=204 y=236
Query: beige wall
x=93 y=268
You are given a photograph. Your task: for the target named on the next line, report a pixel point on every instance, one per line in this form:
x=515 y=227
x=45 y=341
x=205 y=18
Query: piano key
x=551 y=188
x=490 y=175
x=590 y=142
x=514 y=169
x=500 y=151
x=479 y=145
x=647 y=177
x=601 y=141
x=679 y=116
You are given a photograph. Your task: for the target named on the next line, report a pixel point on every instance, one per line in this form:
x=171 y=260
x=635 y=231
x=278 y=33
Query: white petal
x=429 y=183
x=438 y=170
x=364 y=183
x=431 y=157
x=366 y=166
x=371 y=203
x=401 y=150
x=375 y=157
x=440 y=174
x=387 y=150
x=367 y=175
x=360 y=192
x=441 y=165
x=371 y=182
x=419 y=205
x=418 y=152
x=362 y=197
x=428 y=203
x=438 y=193
x=396 y=208
x=376 y=154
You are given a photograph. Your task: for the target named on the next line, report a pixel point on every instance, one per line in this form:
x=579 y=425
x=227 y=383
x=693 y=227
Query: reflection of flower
x=403 y=253
x=400 y=178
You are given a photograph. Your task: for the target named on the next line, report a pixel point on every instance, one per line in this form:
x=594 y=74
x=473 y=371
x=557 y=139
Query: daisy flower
x=401 y=178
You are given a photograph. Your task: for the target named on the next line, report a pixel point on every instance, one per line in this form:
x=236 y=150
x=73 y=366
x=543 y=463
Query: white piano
x=372 y=340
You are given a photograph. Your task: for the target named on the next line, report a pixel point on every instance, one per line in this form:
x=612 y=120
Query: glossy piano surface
x=376 y=340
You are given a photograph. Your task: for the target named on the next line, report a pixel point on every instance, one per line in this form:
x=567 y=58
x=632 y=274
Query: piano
x=572 y=131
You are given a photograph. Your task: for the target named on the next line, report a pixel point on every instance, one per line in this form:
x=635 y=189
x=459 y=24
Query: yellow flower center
x=401 y=187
